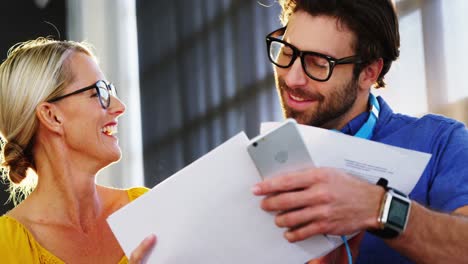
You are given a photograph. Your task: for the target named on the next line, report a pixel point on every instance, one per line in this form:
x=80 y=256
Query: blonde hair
x=33 y=72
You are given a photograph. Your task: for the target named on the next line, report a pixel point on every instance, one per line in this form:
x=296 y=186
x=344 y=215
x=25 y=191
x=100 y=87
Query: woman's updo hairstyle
x=33 y=72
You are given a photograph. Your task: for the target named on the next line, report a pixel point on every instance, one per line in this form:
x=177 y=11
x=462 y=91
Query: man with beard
x=326 y=59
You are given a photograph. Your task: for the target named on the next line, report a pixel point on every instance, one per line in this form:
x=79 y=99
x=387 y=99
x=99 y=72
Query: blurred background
x=195 y=73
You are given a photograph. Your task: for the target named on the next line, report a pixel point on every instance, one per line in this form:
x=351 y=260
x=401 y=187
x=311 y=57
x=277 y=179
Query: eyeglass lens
x=283 y=56
x=105 y=92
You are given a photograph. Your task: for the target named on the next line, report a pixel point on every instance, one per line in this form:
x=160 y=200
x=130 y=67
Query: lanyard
x=367 y=130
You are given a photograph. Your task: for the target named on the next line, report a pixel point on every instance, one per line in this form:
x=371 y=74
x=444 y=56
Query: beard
x=338 y=102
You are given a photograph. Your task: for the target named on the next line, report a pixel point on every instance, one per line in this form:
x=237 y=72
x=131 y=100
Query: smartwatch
x=393 y=214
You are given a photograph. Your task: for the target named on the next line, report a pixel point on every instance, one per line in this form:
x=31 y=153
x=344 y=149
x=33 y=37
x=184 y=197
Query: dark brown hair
x=374 y=22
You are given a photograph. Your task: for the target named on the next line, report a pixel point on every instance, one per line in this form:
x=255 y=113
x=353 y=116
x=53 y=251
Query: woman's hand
x=142 y=250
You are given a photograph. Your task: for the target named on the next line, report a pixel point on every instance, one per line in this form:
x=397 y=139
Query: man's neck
x=360 y=106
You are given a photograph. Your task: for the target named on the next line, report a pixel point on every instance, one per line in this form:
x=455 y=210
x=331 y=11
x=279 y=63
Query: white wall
x=430 y=74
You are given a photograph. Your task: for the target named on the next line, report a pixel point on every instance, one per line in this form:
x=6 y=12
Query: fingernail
x=256 y=189
x=150 y=238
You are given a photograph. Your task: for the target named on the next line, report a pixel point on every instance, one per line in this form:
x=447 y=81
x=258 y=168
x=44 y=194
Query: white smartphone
x=280 y=151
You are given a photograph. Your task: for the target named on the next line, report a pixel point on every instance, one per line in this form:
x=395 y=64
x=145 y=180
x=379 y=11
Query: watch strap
x=383 y=183
x=385 y=232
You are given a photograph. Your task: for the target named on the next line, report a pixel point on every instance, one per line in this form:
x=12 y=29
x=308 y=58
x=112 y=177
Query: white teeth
x=109 y=130
x=299 y=99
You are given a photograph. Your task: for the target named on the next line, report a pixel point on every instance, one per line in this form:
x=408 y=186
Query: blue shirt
x=442 y=187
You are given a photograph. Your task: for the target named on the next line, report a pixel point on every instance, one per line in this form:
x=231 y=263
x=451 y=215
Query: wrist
x=377 y=198
x=393 y=214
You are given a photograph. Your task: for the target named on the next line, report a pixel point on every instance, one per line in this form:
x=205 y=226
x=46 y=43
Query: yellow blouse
x=17 y=245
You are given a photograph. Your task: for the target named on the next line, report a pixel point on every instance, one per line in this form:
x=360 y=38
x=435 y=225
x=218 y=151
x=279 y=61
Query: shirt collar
x=355 y=124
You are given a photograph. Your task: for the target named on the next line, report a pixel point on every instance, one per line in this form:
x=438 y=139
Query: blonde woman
x=58 y=116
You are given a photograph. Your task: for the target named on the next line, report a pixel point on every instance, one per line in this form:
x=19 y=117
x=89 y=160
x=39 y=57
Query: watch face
x=397 y=213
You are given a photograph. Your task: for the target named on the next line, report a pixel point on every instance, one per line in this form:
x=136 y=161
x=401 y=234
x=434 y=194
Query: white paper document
x=360 y=157
x=206 y=212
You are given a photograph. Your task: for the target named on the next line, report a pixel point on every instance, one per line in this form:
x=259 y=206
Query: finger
x=296 y=218
x=306 y=231
x=288 y=182
x=282 y=201
x=143 y=249
x=286 y=201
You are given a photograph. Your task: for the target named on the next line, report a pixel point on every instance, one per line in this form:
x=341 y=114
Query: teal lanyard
x=367 y=130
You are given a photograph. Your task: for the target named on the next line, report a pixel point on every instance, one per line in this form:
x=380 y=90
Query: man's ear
x=49 y=116
x=370 y=73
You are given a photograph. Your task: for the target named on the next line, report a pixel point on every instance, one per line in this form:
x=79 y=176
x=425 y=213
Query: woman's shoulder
x=15 y=241
x=114 y=196
x=115 y=199
x=6 y=224
x=136 y=192
x=11 y=230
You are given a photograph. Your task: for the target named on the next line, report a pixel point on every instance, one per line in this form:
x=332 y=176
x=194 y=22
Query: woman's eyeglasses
x=104 y=91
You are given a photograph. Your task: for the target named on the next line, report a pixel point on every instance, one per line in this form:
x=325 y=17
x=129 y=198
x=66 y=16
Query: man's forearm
x=433 y=237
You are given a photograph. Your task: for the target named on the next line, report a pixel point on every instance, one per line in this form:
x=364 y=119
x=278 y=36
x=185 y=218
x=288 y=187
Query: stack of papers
x=206 y=212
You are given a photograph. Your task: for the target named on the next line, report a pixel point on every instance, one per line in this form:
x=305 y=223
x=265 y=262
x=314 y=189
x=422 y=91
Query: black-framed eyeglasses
x=104 y=90
x=317 y=66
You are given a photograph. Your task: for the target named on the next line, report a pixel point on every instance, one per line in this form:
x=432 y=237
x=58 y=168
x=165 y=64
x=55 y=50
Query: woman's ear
x=370 y=73
x=49 y=116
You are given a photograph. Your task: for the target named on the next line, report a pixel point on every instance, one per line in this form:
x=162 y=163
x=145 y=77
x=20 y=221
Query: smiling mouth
x=298 y=99
x=109 y=130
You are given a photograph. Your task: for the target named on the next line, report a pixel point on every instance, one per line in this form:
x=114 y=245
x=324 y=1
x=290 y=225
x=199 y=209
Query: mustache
x=299 y=92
